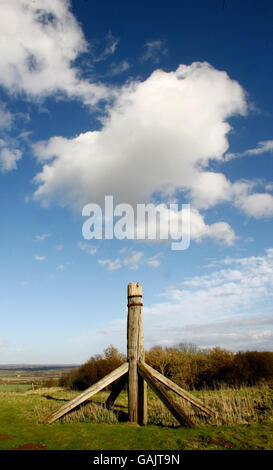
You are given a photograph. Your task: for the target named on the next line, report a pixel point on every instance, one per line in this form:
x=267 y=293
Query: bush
x=93 y=370
x=186 y=365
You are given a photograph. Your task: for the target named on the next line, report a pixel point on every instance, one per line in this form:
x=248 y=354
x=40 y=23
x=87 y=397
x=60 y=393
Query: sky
x=146 y=102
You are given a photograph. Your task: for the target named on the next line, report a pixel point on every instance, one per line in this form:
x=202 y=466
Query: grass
x=14 y=387
x=247 y=414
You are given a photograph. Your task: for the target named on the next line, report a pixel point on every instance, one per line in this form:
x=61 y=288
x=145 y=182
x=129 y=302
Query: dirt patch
x=218 y=442
x=5 y=437
x=30 y=447
x=221 y=442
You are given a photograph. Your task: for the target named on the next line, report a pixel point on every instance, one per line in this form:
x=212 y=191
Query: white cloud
x=209 y=189
x=6 y=117
x=154 y=261
x=87 y=248
x=42 y=237
x=112 y=265
x=131 y=259
x=265 y=146
x=39 y=258
x=237 y=288
x=219 y=308
x=8 y=158
x=110 y=48
x=39 y=41
x=61 y=267
x=164 y=131
x=258 y=205
x=117 y=69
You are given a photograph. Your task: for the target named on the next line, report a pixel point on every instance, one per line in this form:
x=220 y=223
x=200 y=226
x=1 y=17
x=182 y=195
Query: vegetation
x=93 y=370
x=247 y=412
x=186 y=365
x=244 y=421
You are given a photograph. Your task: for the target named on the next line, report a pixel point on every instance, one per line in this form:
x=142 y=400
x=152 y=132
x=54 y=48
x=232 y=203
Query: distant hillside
x=37 y=366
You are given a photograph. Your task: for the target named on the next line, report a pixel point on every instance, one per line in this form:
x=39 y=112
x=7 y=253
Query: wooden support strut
x=180 y=391
x=88 y=393
x=165 y=397
x=118 y=387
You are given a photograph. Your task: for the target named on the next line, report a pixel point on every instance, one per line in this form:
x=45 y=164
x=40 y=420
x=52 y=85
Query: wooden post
x=142 y=384
x=134 y=310
x=138 y=374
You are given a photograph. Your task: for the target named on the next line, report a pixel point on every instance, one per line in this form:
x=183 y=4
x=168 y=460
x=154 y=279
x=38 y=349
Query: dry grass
x=234 y=406
x=245 y=405
x=91 y=413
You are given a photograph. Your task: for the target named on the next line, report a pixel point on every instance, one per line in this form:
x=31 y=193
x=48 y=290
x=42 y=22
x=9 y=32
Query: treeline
x=93 y=370
x=185 y=364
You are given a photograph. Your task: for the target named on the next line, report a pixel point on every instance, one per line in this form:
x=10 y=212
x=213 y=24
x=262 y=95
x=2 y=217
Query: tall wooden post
x=134 y=310
x=142 y=384
x=138 y=374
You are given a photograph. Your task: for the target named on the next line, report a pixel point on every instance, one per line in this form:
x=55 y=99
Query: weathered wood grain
x=142 y=384
x=134 y=297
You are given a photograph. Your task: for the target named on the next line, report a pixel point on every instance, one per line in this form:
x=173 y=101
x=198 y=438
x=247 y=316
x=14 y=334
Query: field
x=246 y=420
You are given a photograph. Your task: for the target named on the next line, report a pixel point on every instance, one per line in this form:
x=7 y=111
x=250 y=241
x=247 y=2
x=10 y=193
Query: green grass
x=14 y=387
x=93 y=427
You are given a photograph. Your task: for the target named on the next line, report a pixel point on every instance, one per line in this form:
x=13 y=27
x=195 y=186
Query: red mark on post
x=132 y=358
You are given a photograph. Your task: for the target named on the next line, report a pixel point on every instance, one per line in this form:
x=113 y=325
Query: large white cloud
x=159 y=135
x=39 y=40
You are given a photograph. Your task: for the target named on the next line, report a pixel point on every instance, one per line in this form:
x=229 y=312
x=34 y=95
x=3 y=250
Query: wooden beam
x=164 y=396
x=89 y=392
x=134 y=305
x=180 y=391
x=116 y=391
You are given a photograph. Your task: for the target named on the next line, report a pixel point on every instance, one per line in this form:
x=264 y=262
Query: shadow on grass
x=49 y=397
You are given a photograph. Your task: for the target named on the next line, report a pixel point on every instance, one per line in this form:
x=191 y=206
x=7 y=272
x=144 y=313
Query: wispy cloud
x=154 y=50
x=117 y=69
x=110 y=48
x=265 y=146
x=112 y=265
x=132 y=260
x=42 y=237
x=61 y=267
x=87 y=248
x=154 y=261
x=215 y=309
x=39 y=258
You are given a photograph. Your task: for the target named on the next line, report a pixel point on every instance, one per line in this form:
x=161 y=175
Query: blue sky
x=139 y=101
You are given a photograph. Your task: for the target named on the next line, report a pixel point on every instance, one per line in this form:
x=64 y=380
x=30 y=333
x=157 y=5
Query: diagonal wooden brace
x=89 y=392
x=176 y=410
x=180 y=391
x=118 y=387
